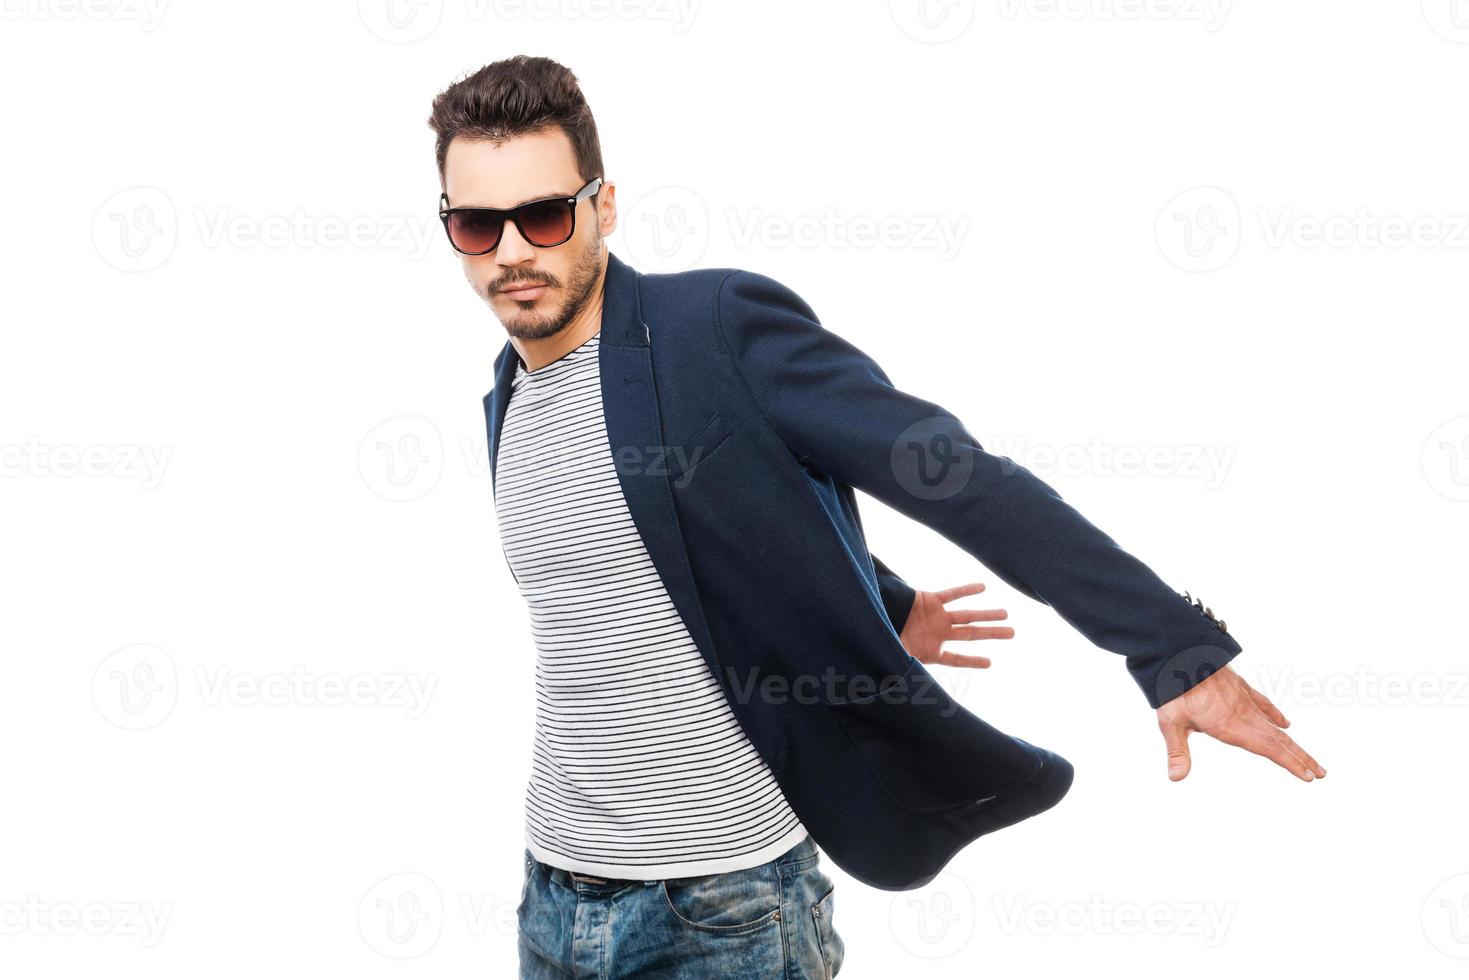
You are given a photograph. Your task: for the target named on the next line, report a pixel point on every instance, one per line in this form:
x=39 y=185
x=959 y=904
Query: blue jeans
x=769 y=922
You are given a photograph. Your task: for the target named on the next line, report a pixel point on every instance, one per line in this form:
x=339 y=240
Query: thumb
x=1176 y=738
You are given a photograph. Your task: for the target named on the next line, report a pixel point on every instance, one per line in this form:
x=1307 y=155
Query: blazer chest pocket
x=683 y=460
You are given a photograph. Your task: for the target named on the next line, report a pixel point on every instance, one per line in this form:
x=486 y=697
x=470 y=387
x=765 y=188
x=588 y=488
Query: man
x=725 y=675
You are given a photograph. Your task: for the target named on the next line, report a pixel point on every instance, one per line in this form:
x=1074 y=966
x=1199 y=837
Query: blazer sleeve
x=838 y=412
x=897 y=595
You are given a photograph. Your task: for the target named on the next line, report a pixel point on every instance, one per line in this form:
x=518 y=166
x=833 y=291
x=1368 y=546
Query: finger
x=959 y=616
x=1267 y=741
x=1266 y=705
x=951 y=659
x=959 y=591
x=981 y=632
x=1175 y=739
x=1271 y=732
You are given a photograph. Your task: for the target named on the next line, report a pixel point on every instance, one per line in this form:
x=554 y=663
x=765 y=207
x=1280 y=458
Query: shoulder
x=719 y=294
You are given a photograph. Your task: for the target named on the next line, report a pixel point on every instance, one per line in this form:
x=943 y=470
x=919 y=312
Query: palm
x=929 y=626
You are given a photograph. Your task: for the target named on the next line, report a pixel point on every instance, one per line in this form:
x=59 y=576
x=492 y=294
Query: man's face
x=562 y=278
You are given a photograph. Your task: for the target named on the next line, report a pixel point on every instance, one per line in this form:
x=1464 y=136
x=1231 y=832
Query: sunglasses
x=545 y=224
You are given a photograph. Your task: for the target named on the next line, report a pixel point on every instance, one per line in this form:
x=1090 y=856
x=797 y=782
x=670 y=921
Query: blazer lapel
x=634 y=436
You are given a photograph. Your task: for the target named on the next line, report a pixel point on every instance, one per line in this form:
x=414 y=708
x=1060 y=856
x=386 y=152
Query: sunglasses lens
x=475 y=231
x=547 y=224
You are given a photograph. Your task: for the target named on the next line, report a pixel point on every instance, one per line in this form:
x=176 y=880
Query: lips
x=524 y=290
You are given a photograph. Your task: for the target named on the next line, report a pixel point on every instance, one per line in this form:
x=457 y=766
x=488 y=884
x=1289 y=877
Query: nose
x=513 y=248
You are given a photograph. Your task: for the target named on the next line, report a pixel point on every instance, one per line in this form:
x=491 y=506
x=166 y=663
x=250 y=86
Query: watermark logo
x=136 y=229
x=1445 y=916
x=400 y=21
x=136 y=687
x=401 y=916
x=1445 y=458
x=932 y=21
x=1449 y=19
x=931 y=459
x=935 y=921
x=139 y=228
x=402 y=458
x=1199 y=229
x=667 y=229
x=1189 y=668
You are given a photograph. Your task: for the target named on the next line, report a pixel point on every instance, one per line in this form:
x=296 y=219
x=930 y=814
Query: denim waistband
x=603 y=885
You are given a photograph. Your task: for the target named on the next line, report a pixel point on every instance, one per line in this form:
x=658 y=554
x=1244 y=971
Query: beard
x=528 y=324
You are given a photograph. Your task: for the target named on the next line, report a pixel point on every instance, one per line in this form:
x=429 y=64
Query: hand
x=1224 y=706
x=929 y=626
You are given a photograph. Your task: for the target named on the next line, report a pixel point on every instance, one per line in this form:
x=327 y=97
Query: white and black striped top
x=640 y=769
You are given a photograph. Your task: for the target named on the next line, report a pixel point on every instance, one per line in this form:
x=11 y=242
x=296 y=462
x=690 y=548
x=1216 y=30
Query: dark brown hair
x=518 y=96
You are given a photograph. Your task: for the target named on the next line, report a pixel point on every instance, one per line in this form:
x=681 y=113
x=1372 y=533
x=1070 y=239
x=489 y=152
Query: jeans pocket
x=530 y=870
x=727 y=903
x=832 y=948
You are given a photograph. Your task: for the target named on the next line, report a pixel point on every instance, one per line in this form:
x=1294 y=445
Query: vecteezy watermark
x=1097 y=916
x=668 y=229
x=401 y=458
x=137 y=687
x=1445 y=458
x=221 y=227
x=1364 y=686
x=138 y=229
x=407 y=21
x=147 y=14
x=933 y=458
x=1189 y=668
x=1211 y=14
x=1200 y=229
x=1208 y=464
x=932 y=21
x=1449 y=19
x=401 y=916
x=936 y=921
x=941 y=234
x=120 y=461
x=34 y=916
x=1362 y=229
x=755 y=684
x=222 y=685
x=404 y=915
x=1445 y=917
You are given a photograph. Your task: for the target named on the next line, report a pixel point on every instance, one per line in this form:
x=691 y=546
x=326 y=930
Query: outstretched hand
x=1224 y=706
x=929 y=626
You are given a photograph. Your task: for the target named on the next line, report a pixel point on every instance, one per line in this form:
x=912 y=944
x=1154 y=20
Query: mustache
x=504 y=284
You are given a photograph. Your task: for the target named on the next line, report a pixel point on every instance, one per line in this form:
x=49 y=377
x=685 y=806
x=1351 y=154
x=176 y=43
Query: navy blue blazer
x=739 y=427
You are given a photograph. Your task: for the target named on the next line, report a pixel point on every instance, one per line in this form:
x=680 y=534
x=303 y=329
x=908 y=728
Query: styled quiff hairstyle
x=518 y=96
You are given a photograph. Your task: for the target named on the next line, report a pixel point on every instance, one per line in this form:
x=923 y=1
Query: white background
x=1200 y=265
